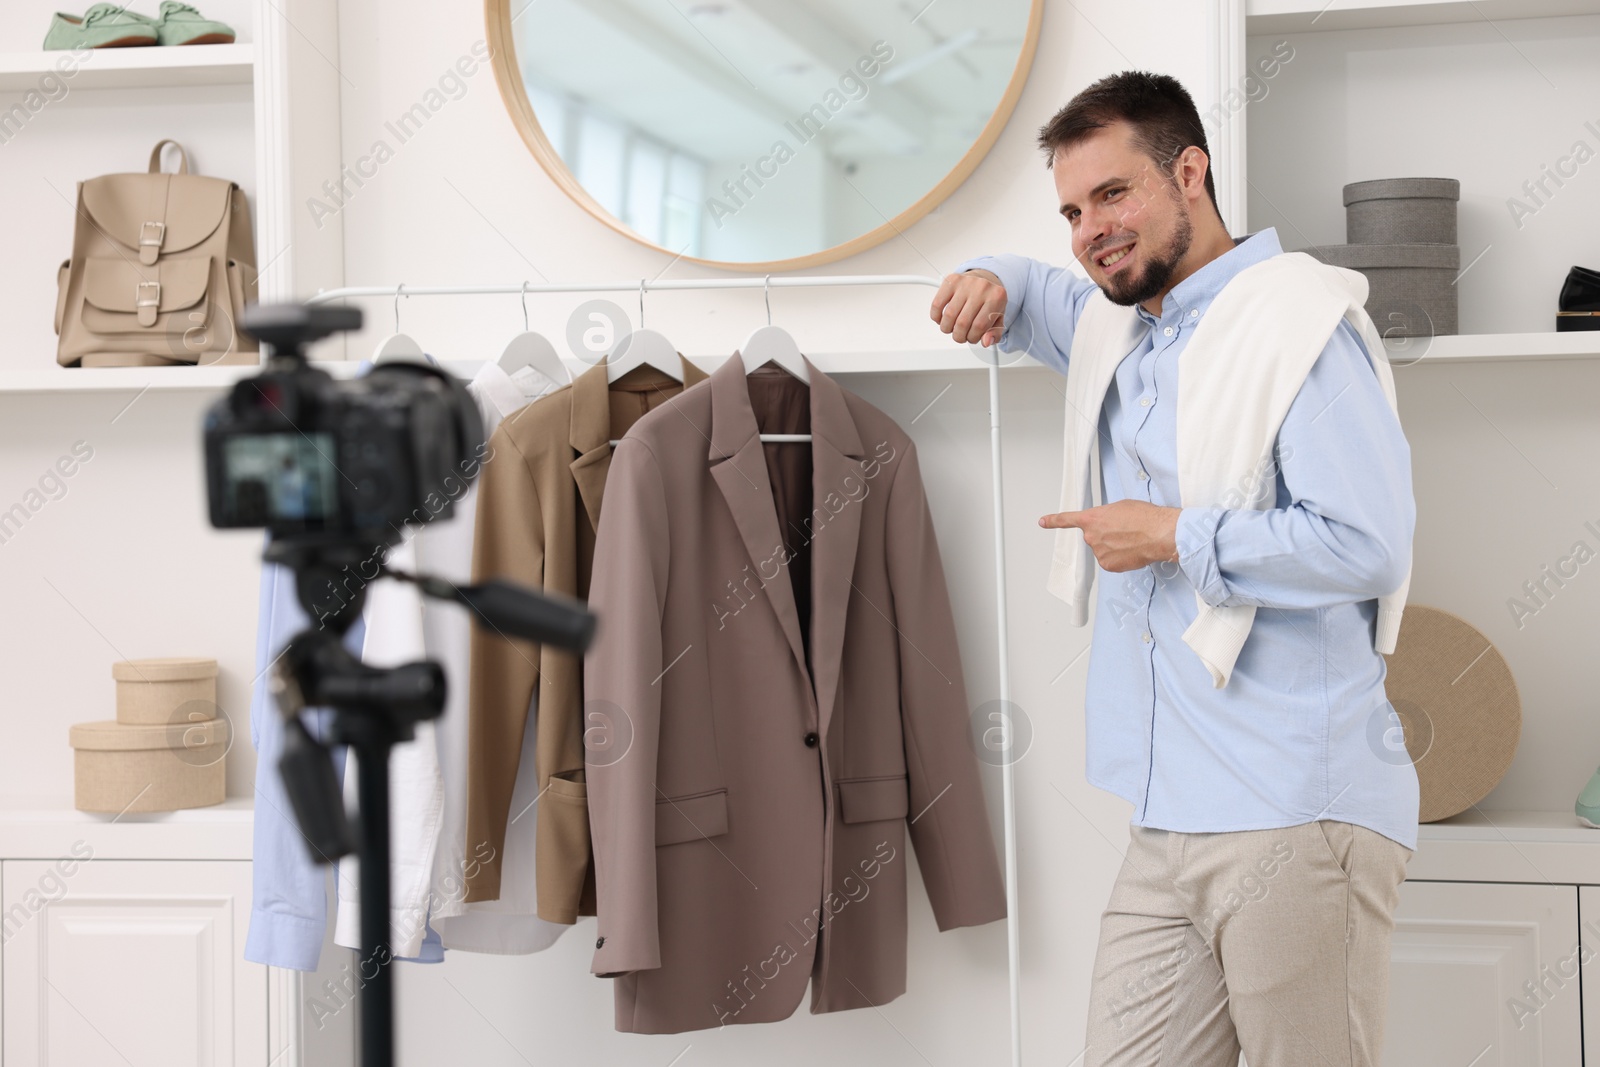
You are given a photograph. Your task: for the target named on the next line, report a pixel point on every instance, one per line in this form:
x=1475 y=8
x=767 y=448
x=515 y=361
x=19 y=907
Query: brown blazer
x=538 y=505
x=774 y=694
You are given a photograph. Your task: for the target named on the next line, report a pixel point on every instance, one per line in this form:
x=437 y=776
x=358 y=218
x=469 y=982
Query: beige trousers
x=1275 y=942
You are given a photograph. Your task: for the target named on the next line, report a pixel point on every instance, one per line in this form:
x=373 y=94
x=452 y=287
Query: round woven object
x=1459 y=708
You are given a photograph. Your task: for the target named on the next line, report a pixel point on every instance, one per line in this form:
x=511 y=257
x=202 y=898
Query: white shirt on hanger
x=429 y=856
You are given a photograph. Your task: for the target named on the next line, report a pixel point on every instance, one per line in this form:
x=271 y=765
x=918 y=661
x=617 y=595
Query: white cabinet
x=1484 y=974
x=1589 y=937
x=115 y=962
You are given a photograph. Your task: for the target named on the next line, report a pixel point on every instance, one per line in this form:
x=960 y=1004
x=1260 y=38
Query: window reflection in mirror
x=755 y=131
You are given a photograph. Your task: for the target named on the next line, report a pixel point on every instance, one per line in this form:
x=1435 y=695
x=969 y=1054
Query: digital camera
x=321 y=460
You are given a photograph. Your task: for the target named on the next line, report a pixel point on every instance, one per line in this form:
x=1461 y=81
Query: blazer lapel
x=740 y=470
x=838 y=489
x=589 y=436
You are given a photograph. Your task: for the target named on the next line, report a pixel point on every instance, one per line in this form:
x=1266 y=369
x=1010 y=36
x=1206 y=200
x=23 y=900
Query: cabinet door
x=114 y=962
x=1589 y=916
x=1484 y=974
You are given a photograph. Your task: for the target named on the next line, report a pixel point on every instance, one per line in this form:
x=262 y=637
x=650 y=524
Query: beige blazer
x=538 y=505
x=759 y=741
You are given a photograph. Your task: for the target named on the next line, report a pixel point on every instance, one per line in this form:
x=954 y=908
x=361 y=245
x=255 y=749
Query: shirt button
x=811 y=740
x=1168 y=331
x=1194 y=313
x=1145 y=637
x=1143 y=476
x=600 y=942
x=1144 y=401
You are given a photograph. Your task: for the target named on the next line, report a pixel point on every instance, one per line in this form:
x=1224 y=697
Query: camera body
x=316 y=459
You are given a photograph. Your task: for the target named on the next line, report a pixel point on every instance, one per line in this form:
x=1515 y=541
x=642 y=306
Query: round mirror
x=761 y=134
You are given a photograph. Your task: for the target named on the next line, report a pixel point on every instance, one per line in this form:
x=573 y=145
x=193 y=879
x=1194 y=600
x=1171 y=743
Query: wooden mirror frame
x=497 y=18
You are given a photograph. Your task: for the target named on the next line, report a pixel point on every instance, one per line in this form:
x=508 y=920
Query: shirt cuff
x=1196 y=538
x=279 y=940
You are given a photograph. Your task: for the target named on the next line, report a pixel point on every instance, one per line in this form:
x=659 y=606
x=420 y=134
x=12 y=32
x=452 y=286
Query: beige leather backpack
x=162 y=265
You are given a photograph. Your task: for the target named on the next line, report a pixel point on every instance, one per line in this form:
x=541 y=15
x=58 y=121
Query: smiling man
x=1253 y=557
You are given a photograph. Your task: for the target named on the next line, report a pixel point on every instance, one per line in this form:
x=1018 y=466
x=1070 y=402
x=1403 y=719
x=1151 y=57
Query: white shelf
x=125 y=68
x=1301 y=16
x=1462 y=348
x=1559 y=827
x=53 y=379
x=47 y=828
x=1550 y=847
x=1493 y=347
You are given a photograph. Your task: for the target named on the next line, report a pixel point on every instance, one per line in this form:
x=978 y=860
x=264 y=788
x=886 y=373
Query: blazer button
x=600 y=943
x=811 y=740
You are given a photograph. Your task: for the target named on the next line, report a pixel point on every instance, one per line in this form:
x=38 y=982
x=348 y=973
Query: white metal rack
x=1008 y=791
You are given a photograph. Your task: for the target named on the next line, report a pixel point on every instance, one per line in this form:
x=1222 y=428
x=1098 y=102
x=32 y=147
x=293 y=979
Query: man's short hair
x=1156 y=106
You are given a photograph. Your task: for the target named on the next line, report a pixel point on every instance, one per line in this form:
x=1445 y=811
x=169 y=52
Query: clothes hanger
x=529 y=349
x=398 y=345
x=773 y=344
x=643 y=348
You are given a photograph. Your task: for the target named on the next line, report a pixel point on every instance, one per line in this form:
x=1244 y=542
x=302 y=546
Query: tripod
x=375 y=709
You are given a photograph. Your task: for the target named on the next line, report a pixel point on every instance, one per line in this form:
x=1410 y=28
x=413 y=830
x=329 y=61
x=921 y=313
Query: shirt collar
x=504 y=391
x=1197 y=291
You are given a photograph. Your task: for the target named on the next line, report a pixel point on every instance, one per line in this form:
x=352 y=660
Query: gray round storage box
x=1401 y=211
x=1411 y=289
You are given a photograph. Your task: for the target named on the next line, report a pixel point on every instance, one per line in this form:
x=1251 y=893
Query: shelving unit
x=129 y=68
x=1312 y=16
x=256 y=112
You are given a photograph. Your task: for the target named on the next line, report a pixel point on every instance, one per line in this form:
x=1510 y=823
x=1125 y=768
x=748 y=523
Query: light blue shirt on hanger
x=1303 y=730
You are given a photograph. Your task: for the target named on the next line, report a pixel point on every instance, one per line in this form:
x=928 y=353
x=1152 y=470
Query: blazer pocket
x=871 y=799
x=568 y=785
x=691 y=817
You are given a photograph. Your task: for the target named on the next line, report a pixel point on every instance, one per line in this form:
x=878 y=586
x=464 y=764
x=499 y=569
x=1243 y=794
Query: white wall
x=465 y=201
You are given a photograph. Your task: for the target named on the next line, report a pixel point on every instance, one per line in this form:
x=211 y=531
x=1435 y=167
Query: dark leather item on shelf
x=162 y=265
x=1580 y=301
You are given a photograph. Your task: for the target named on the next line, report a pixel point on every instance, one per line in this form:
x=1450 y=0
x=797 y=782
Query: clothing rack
x=767 y=283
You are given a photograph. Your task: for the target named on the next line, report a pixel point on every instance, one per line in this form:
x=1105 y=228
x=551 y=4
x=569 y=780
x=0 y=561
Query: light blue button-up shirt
x=1303 y=730
x=289 y=889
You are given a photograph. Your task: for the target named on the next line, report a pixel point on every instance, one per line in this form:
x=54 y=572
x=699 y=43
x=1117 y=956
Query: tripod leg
x=377 y=994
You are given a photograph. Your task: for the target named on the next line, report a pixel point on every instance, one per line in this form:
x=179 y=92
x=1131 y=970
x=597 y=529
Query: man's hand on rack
x=1125 y=534
x=970 y=307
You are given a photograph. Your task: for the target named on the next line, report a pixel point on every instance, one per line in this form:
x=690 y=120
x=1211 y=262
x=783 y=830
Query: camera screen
x=273 y=479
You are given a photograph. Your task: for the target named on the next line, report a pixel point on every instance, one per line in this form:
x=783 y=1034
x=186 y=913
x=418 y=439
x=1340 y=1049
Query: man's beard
x=1158 y=268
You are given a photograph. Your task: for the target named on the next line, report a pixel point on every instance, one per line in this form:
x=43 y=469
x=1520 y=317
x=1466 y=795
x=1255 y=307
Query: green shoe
x=1588 y=806
x=182 y=24
x=102 y=26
